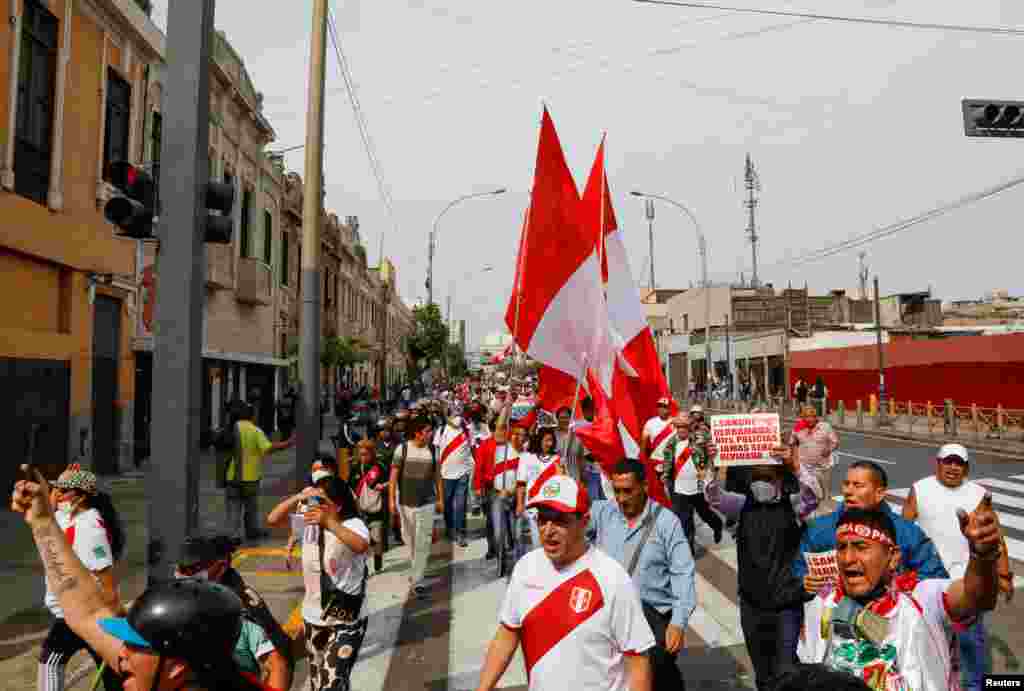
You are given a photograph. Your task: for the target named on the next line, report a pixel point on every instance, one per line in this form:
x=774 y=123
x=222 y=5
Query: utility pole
x=385 y=335
x=862 y=276
x=308 y=438
x=881 y=360
x=728 y=358
x=448 y=320
x=753 y=185
x=173 y=477
x=649 y=211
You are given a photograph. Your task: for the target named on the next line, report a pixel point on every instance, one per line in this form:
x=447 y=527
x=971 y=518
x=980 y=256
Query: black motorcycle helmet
x=191 y=619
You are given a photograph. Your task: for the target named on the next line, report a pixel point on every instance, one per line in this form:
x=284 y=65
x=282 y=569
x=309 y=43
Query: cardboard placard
x=822 y=564
x=746 y=439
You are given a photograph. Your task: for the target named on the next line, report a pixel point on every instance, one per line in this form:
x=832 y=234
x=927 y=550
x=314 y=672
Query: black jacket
x=767 y=540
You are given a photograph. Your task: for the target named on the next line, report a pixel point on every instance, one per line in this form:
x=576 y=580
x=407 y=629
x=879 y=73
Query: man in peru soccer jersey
x=573 y=608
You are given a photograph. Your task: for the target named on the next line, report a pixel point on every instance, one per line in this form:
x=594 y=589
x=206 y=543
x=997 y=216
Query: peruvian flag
x=637 y=381
x=556 y=389
x=503 y=355
x=556 y=312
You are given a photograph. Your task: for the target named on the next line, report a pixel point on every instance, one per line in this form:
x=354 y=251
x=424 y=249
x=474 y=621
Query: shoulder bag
x=334 y=602
x=649 y=522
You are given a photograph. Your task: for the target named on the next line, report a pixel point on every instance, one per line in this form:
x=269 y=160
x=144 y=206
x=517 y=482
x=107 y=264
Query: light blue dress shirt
x=664 y=575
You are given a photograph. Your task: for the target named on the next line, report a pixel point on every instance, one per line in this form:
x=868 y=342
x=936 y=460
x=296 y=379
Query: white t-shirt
x=88 y=538
x=917 y=653
x=454 y=452
x=654 y=427
x=506 y=467
x=576 y=624
x=936 y=514
x=345 y=567
x=531 y=467
x=686 y=479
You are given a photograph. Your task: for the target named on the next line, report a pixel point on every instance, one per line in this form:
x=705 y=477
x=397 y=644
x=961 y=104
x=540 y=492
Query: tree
x=430 y=335
x=456 y=361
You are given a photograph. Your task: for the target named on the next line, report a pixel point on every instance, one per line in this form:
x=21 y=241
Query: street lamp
x=433 y=236
x=703 y=247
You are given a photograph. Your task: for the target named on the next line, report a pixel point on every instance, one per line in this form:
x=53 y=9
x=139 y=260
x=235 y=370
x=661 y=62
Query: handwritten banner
x=746 y=439
x=822 y=565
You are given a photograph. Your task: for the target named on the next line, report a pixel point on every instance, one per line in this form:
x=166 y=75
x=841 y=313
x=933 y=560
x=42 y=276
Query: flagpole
x=519 y=280
x=575 y=402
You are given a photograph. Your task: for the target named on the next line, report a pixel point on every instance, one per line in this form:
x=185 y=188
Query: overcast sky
x=851 y=127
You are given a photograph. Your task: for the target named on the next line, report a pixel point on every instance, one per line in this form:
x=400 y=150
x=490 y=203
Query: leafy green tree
x=456 y=361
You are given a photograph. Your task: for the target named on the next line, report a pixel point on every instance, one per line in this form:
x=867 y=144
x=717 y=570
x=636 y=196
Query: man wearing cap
x=656 y=433
x=934 y=503
x=571 y=607
x=894 y=631
x=263 y=648
x=176 y=636
x=650 y=543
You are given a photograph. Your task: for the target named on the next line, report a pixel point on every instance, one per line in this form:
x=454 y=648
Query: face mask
x=763 y=492
x=203 y=575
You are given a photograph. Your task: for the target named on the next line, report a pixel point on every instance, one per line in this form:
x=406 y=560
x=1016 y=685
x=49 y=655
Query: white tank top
x=936 y=514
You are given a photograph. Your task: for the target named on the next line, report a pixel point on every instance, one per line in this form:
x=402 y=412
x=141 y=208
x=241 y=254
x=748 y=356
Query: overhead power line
x=1006 y=31
x=364 y=130
x=902 y=225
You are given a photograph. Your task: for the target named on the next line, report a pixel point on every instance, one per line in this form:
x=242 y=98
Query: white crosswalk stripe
x=1009 y=504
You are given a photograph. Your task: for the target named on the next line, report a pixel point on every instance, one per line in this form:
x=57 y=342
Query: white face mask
x=203 y=575
x=763 y=492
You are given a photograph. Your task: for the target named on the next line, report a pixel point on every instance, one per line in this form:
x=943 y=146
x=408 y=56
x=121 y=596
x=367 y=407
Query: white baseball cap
x=562 y=494
x=956 y=450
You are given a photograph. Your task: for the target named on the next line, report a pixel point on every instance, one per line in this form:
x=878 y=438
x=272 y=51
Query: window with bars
x=284 y=259
x=118 y=120
x=37 y=83
x=268 y=236
x=244 y=241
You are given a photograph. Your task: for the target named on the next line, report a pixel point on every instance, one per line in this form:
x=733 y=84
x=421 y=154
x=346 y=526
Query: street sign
x=987 y=118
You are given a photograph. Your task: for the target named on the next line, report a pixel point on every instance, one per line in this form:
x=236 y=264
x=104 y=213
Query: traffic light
x=134 y=208
x=993 y=118
x=220 y=196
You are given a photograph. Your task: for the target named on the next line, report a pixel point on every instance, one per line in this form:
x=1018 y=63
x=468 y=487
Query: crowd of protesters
x=902 y=606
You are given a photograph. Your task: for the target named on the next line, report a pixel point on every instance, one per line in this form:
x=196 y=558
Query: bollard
x=910 y=416
x=928 y=411
x=999 y=422
x=949 y=418
x=841 y=412
x=860 y=413
x=872 y=405
x=974 y=421
x=892 y=407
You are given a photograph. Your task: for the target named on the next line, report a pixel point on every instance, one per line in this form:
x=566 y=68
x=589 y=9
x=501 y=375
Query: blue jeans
x=455 y=495
x=502 y=520
x=592 y=481
x=974 y=658
x=527 y=534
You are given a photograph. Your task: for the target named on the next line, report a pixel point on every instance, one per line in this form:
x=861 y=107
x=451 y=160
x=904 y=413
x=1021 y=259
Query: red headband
x=864 y=532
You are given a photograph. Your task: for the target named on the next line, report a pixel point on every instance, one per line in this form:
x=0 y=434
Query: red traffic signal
x=133 y=209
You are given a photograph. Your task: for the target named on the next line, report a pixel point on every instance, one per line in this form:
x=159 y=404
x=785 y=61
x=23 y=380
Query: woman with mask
x=770 y=523
x=93 y=528
x=334 y=553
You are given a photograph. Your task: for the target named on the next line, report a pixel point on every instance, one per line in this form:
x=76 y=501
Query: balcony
x=218 y=266
x=254 y=282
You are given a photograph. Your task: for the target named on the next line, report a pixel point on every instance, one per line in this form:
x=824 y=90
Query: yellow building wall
x=46 y=256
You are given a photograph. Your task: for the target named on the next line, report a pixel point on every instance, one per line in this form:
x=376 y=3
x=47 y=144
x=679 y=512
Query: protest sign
x=822 y=565
x=746 y=439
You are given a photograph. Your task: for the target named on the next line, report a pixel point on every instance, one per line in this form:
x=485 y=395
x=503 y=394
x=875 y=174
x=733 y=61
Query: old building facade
x=74 y=78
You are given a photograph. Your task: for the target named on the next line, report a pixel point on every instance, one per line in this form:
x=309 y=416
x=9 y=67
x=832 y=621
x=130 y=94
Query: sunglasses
x=953 y=460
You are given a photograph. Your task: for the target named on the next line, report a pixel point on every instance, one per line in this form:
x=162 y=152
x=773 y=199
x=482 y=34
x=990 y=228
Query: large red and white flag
x=557 y=313
x=638 y=380
x=499 y=358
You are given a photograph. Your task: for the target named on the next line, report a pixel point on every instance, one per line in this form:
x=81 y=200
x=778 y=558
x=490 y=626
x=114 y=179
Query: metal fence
x=925 y=418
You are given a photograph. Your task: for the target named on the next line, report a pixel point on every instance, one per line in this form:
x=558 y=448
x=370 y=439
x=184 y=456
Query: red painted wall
x=983 y=370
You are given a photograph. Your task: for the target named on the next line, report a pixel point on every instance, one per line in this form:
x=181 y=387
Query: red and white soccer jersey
x=659 y=432
x=505 y=468
x=456 y=453
x=87 y=535
x=575 y=625
x=534 y=470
